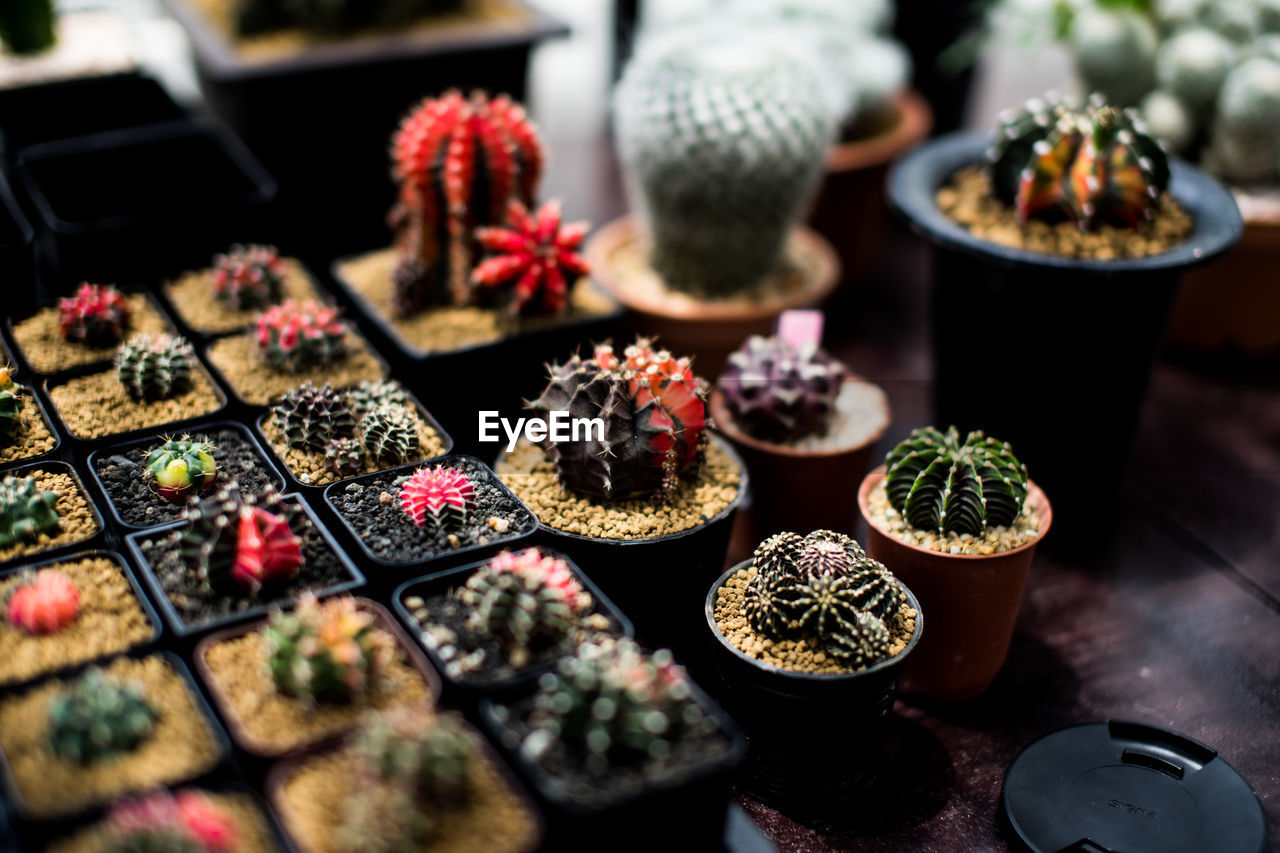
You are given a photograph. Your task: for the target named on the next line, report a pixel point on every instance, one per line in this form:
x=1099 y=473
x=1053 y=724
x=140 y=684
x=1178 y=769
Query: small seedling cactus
x=1092 y=164
x=655 y=422
x=99 y=716
x=459 y=162
x=311 y=417
x=96 y=315
x=249 y=277
x=941 y=484
x=43 y=602
x=327 y=652
x=239 y=543
x=534 y=259
x=344 y=457
x=438 y=499
x=295 y=336
x=182 y=466
x=155 y=367
x=524 y=600
x=26 y=511
x=11 y=403
x=780 y=393
x=389 y=434
x=186 y=822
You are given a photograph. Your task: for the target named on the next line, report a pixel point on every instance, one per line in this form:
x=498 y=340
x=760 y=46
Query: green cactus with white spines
x=1168 y=120
x=1115 y=52
x=371 y=393
x=310 y=417
x=99 y=716
x=389 y=434
x=181 y=466
x=11 y=404
x=1192 y=66
x=26 y=511
x=524 y=600
x=1245 y=142
x=155 y=367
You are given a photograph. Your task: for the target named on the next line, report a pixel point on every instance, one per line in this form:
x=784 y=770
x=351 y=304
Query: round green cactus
x=155 y=367
x=1115 y=53
x=310 y=417
x=331 y=652
x=389 y=434
x=1192 y=66
x=182 y=466
x=1245 y=142
x=99 y=716
x=1168 y=119
x=26 y=510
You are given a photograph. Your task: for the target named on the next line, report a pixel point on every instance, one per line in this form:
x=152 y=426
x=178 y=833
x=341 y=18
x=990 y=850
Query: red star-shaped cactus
x=534 y=253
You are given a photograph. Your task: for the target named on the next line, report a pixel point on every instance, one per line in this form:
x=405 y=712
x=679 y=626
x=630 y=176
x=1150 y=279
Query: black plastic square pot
x=184 y=628
x=40 y=409
x=17 y=253
x=97 y=540
x=166 y=512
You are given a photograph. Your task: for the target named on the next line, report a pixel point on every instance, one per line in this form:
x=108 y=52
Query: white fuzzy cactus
x=1168 y=120
x=1115 y=52
x=1193 y=65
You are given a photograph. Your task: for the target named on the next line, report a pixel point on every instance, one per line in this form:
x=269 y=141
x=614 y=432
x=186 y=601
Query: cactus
x=1168 y=120
x=1115 y=51
x=43 y=602
x=237 y=543
x=389 y=434
x=655 y=422
x=431 y=753
x=1092 y=164
x=524 y=600
x=247 y=277
x=188 y=822
x=939 y=483
x=780 y=393
x=344 y=457
x=534 y=252
x=26 y=511
x=155 y=367
x=327 y=652
x=438 y=499
x=312 y=417
x=180 y=466
x=294 y=336
x=99 y=716
x=1192 y=65
x=1245 y=143
x=371 y=393
x=459 y=162
x=724 y=139
x=96 y=315
x=11 y=403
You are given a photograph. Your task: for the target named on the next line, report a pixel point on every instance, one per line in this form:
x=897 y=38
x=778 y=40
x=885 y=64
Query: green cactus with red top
x=186 y=822
x=331 y=651
x=295 y=336
x=247 y=277
x=524 y=600
x=96 y=315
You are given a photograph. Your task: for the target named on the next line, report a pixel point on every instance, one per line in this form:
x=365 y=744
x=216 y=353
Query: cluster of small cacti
x=239 y=543
x=99 y=716
x=825 y=589
x=248 y=277
x=181 y=466
x=371 y=420
x=294 y=336
x=778 y=392
x=96 y=315
x=459 y=162
x=329 y=651
x=1090 y=163
x=43 y=602
x=186 y=822
x=10 y=404
x=655 y=422
x=531 y=259
x=939 y=483
x=155 y=367
x=27 y=26
x=26 y=510
x=524 y=600
x=333 y=17
x=439 y=499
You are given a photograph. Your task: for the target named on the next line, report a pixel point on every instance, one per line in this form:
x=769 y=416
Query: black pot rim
x=43 y=409
x=90 y=542
x=709 y=611
x=9 y=205
x=914 y=179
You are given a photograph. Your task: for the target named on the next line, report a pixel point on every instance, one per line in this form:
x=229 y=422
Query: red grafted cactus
x=533 y=256
x=239 y=543
x=96 y=315
x=45 y=603
x=248 y=277
x=188 y=822
x=459 y=161
x=438 y=499
x=293 y=336
x=266 y=549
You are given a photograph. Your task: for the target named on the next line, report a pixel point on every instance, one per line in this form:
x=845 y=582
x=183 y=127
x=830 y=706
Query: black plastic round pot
x=814 y=737
x=1065 y=345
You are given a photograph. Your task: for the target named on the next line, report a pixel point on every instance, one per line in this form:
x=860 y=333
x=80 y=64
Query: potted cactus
x=44 y=507
x=119 y=729
x=1073 y=207
x=958 y=521
x=411 y=778
x=811 y=628
x=25 y=431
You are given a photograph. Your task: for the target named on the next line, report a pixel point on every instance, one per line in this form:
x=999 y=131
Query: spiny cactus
x=1192 y=65
x=430 y=751
x=96 y=315
x=724 y=138
x=188 y=822
x=1245 y=138
x=43 y=602
x=182 y=466
x=655 y=422
x=1115 y=52
x=99 y=716
x=372 y=393
x=26 y=510
x=524 y=600
x=27 y=26
x=294 y=336
x=533 y=255
x=438 y=499
x=459 y=161
x=780 y=393
x=155 y=367
x=238 y=543
x=248 y=277
x=11 y=403
x=312 y=417
x=1094 y=164
x=939 y=483
x=389 y=434
x=327 y=652
x=344 y=457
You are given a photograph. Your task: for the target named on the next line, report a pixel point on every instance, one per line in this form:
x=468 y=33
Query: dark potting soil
x=372 y=508
x=125 y=476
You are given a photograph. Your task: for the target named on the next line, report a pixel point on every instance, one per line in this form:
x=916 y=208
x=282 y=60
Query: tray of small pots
x=26 y=433
x=958 y=520
x=45 y=509
x=496 y=625
x=234 y=554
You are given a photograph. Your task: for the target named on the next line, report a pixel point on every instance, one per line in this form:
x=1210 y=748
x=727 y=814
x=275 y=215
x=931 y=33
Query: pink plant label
x=800 y=329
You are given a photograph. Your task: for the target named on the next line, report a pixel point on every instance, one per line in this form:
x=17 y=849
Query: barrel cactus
x=26 y=511
x=312 y=416
x=524 y=600
x=327 y=652
x=43 y=602
x=155 y=367
x=99 y=716
x=1245 y=138
x=1192 y=66
x=439 y=499
x=295 y=336
x=181 y=466
x=96 y=315
x=1115 y=51
x=249 y=277
x=389 y=434
x=778 y=392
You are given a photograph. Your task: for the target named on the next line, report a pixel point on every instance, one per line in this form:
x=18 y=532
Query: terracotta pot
x=850 y=209
x=708 y=329
x=972 y=602
x=798 y=489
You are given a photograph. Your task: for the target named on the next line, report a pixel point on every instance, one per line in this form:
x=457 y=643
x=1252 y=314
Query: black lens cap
x=1117 y=786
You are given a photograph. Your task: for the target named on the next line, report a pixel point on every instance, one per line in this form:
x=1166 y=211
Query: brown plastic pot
x=850 y=209
x=972 y=602
x=798 y=489
x=707 y=329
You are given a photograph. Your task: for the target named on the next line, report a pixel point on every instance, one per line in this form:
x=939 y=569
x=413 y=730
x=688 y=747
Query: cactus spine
x=331 y=652
x=182 y=466
x=780 y=393
x=155 y=367
x=524 y=600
